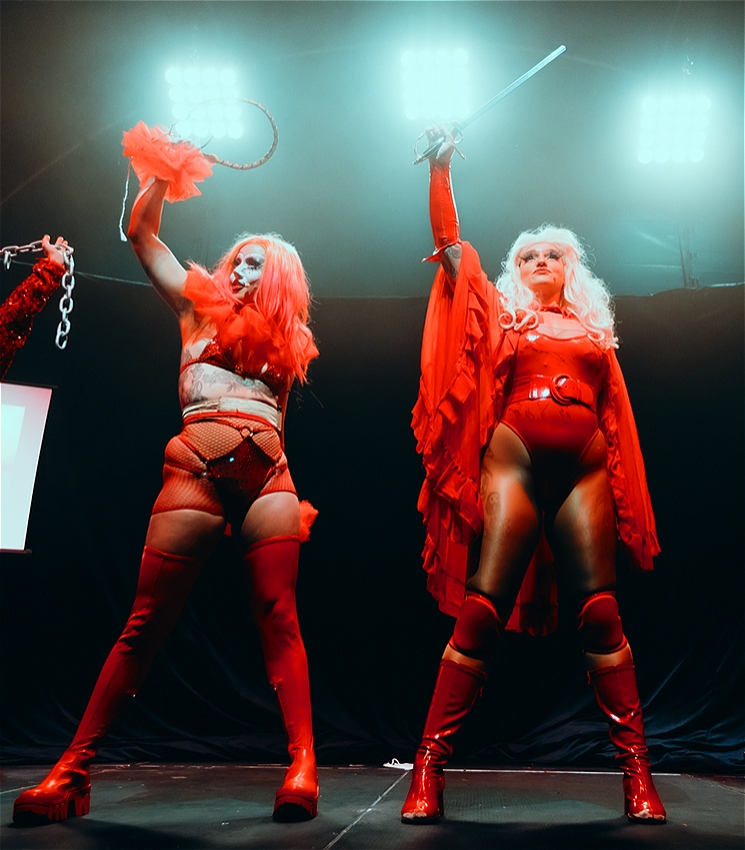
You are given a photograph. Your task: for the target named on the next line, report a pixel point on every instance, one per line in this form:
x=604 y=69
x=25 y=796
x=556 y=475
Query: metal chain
x=68 y=283
x=66 y=303
x=11 y=251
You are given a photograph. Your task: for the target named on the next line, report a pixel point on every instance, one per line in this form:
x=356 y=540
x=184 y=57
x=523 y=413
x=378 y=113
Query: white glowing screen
x=23 y=415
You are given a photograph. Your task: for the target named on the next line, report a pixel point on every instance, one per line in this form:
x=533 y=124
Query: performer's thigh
x=582 y=532
x=272 y=515
x=186 y=532
x=511 y=517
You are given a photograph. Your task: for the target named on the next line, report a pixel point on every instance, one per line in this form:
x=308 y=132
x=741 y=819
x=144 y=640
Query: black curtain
x=374 y=635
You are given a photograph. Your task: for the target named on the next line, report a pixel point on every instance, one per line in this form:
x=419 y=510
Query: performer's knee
x=477 y=627
x=599 y=624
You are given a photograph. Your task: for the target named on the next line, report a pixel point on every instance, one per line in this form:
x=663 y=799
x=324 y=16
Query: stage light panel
x=672 y=127
x=205 y=102
x=435 y=84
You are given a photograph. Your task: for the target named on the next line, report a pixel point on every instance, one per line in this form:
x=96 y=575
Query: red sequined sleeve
x=19 y=309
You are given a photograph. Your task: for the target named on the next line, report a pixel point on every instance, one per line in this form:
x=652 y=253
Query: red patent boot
x=456 y=690
x=65 y=793
x=162 y=588
x=271 y=567
x=618 y=697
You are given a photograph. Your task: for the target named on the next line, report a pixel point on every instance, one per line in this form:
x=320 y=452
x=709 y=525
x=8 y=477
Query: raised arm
x=165 y=272
x=442 y=212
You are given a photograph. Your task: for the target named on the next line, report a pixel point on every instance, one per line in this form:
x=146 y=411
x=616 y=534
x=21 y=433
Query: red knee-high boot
x=272 y=574
x=163 y=585
x=617 y=695
x=457 y=687
x=456 y=690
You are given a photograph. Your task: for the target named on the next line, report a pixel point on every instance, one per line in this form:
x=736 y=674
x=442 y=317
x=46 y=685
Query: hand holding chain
x=68 y=283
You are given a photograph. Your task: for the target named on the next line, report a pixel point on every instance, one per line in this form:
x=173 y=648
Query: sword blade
x=427 y=153
x=510 y=88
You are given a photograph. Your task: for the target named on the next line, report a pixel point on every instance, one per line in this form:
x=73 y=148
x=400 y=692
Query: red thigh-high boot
x=271 y=568
x=613 y=679
x=457 y=687
x=163 y=585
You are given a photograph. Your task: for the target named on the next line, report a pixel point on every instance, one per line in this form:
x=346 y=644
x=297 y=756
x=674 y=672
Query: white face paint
x=248 y=267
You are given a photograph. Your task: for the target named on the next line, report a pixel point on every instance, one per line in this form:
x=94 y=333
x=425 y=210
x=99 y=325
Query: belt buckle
x=539 y=391
x=557 y=384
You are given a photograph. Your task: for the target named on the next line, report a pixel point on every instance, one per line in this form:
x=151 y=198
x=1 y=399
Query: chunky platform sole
x=292 y=808
x=422 y=819
x=645 y=817
x=74 y=803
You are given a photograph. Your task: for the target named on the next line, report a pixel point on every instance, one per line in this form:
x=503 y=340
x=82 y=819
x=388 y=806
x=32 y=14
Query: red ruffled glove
x=153 y=153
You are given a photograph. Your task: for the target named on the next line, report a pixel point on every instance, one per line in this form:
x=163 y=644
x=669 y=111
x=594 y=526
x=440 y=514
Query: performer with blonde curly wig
x=530 y=453
x=245 y=340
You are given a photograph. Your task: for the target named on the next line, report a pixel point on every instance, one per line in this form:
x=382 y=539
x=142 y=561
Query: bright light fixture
x=435 y=84
x=672 y=128
x=202 y=99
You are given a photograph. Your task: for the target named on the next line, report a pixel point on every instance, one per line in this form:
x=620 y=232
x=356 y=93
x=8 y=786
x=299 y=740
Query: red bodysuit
x=551 y=404
x=475 y=374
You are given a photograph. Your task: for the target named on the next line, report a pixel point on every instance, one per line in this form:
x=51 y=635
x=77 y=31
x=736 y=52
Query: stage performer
x=28 y=299
x=245 y=340
x=530 y=452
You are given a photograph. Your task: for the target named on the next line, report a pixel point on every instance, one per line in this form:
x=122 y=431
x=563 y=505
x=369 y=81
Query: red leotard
x=551 y=404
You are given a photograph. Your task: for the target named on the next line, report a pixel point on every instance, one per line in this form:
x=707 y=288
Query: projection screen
x=23 y=412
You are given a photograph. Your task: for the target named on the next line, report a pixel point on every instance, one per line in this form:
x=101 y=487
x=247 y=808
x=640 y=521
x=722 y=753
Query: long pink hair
x=273 y=324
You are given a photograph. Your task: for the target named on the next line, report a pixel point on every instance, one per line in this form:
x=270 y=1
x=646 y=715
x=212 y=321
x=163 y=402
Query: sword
x=459 y=126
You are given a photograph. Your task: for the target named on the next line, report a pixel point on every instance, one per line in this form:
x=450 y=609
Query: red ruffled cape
x=153 y=153
x=466 y=357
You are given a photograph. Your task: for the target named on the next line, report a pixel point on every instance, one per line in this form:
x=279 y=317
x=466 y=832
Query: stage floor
x=153 y=806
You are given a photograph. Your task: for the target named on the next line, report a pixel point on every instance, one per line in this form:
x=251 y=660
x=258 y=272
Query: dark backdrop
x=373 y=633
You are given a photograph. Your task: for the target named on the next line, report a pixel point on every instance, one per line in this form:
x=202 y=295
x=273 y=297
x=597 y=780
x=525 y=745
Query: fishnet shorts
x=222 y=464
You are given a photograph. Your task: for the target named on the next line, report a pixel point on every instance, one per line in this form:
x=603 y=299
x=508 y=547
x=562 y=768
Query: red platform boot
x=618 y=697
x=456 y=690
x=164 y=584
x=272 y=574
x=65 y=793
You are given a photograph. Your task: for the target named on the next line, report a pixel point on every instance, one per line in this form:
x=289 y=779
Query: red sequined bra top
x=275 y=377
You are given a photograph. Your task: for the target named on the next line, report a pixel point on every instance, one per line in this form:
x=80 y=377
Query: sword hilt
x=434 y=146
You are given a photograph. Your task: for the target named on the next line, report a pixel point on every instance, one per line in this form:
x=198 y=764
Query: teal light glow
x=204 y=102
x=435 y=84
x=672 y=128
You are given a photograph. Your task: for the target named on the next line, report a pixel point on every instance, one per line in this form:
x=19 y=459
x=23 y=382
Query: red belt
x=561 y=388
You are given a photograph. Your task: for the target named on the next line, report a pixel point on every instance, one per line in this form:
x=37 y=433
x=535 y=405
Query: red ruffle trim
x=451 y=420
x=625 y=467
x=153 y=153
x=253 y=339
x=308 y=516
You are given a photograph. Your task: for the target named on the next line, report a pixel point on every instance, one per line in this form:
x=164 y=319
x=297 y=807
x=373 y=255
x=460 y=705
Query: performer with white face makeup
x=533 y=468
x=247 y=268
x=245 y=339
